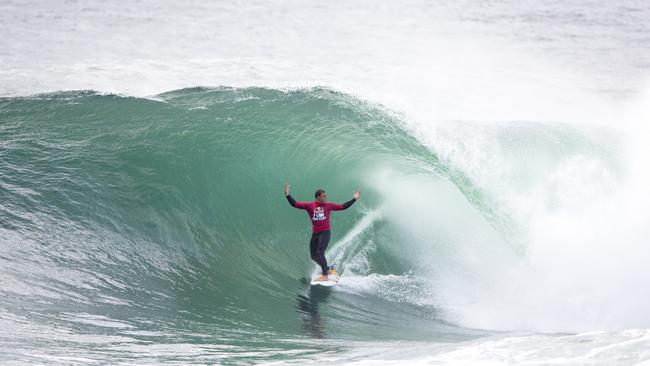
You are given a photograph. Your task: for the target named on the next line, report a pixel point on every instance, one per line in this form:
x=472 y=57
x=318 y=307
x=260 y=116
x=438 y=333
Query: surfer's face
x=322 y=198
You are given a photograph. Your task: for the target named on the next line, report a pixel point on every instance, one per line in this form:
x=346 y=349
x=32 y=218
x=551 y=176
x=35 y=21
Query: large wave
x=147 y=207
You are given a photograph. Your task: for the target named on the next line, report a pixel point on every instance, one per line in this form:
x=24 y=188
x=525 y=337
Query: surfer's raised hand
x=286 y=189
x=356 y=195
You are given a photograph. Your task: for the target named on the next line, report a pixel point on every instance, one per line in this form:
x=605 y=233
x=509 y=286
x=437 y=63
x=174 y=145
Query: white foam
x=595 y=348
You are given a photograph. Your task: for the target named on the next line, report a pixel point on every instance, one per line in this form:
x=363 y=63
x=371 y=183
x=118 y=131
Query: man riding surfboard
x=319 y=213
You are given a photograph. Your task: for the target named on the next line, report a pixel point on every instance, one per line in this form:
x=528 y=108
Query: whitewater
x=501 y=148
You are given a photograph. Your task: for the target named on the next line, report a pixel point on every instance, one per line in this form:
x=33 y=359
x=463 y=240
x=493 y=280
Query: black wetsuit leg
x=317 y=246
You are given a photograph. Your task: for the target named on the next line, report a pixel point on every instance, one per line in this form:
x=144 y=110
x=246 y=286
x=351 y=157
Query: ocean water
x=501 y=148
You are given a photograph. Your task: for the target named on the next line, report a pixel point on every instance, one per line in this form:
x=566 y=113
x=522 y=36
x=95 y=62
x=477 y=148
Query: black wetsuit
x=317 y=246
x=320 y=237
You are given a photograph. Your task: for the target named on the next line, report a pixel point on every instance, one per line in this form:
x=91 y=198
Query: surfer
x=319 y=213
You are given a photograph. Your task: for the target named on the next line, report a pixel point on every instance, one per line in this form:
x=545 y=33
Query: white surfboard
x=331 y=281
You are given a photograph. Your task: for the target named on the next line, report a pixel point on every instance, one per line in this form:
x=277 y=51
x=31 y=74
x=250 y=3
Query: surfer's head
x=320 y=195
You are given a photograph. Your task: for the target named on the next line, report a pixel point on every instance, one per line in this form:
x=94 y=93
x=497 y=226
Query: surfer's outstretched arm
x=339 y=207
x=292 y=201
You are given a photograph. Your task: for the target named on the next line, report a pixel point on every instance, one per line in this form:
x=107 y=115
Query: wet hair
x=319 y=192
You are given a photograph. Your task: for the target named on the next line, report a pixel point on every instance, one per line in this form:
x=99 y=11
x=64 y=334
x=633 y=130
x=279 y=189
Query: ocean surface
x=501 y=148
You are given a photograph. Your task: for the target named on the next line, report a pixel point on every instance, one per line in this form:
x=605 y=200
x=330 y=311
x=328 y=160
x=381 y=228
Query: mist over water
x=501 y=148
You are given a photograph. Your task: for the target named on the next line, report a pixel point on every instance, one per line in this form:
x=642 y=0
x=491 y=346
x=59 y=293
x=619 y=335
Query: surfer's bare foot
x=322 y=278
x=332 y=272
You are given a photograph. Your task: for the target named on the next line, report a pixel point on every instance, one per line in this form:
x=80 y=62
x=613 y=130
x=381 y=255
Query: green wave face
x=170 y=213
